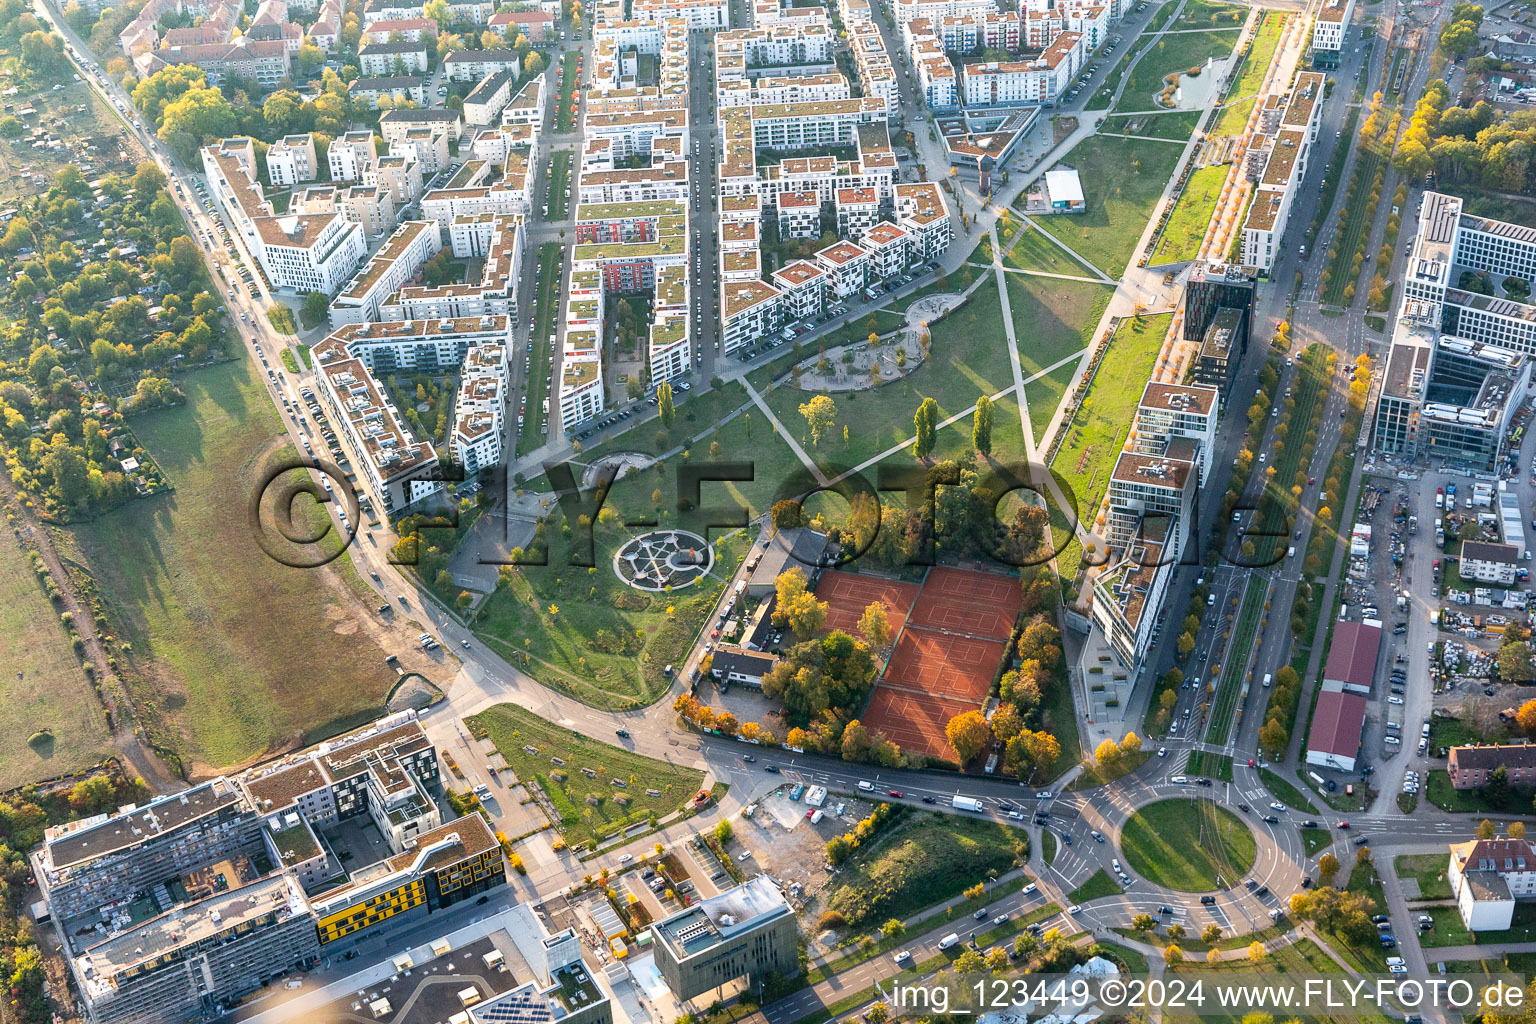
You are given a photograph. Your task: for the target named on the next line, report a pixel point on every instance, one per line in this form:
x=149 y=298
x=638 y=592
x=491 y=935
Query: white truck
x=965 y=803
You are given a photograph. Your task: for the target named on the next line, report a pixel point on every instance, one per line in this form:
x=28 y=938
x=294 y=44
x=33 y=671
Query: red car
x=894 y=792
x=1343 y=824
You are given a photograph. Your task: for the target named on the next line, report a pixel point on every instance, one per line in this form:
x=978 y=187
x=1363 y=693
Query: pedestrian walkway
x=789 y=438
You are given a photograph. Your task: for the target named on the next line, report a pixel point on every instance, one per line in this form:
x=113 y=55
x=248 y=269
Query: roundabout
x=1188 y=845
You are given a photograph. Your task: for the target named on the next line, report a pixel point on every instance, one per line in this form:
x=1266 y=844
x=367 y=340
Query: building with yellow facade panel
x=445 y=865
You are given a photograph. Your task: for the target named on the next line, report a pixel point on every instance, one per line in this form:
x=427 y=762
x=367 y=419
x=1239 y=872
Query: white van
x=1268 y=678
x=952 y=939
x=867 y=787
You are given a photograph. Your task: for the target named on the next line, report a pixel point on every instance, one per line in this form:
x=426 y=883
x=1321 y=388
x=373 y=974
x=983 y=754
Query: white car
x=744 y=854
x=1075 y=909
x=1162 y=751
x=1031 y=889
x=1277 y=806
x=626 y=858
x=1394 y=700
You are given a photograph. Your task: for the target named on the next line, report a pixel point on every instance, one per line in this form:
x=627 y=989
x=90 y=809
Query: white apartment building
x=921 y=210
x=1487 y=876
x=401 y=256
x=368 y=205
x=847 y=268
x=395 y=88
x=406 y=57
x=393 y=124
x=473 y=65
x=303 y=252
x=803 y=286
x=889 y=247
x=1042 y=80
x=484 y=104
x=479 y=409
x=426 y=144
x=799 y=214
x=291 y=161
x=1331 y=25
x=394 y=469
x=351 y=156
x=501 y=241
x=749 y=310
x=857 y=210
x=399 y=174
x=1284 y=150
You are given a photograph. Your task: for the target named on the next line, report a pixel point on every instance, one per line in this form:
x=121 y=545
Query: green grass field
x=1188 y=845
x=956 y=373
x=1053 y=319
x=1045 y=394
x=1286 y=793
x=1249 y=613
x=1122 y=180
x=1098 y=885
x=1191 y=216
x=585 y=633
x=564 y=119
x=1240 y=100
x=1315 y=839
x=1212 y=766
x=1174 y=125
x=1101 y=99
x=1429 y=869
x=537 y=395
x=45 y=686
x=590 y=807
x=222 y=635
x=1210 y=14
x=1169 y=54
x=559 y=176
x=1100 y=425
x=930 y=858
x=1032 y=250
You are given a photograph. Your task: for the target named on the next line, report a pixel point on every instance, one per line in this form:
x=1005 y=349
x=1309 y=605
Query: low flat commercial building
x=1334 y=738
x=1472 y=766
x=1352 y=656
x=745 y=932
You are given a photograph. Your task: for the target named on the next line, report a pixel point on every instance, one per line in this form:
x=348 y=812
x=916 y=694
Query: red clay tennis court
x=848 y=594
x=915 y=722
x=944 y=665
x=965 y=601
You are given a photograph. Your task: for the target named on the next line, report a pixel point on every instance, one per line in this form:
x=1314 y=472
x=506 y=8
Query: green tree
x=981 y=427
x=820 y=413
x=316 y=305
x=664 y=404
x=924 y=421
x=533 y=63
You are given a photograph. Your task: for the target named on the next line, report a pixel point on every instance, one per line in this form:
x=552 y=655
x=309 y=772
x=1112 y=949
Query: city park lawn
x=1173 y=53
x=723 y=414
x=968 y=359
x=46 y=688
x=584 y=632
x=590 y=807
x=1032 y=249
x=1122 y=181
x=1053 y=319
x=1044 y=395
x=1189 y=845
x=1191 y=216
x=1240 y=100
x=1302 y=957
x=1429 y=869
x=219 y=637
x=1174 y=125
x=1449 y=931
x=928 y=858
x=1209 y=14
x=1100 y=424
